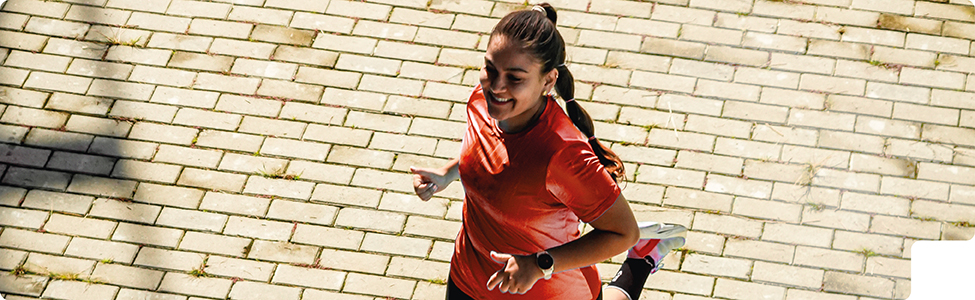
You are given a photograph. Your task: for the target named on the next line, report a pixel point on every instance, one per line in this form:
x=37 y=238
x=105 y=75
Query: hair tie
x=560 y=66
x=540 y=9
x=592 y=138
x=570 y=100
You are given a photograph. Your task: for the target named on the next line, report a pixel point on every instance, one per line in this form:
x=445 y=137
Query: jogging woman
x=531 y=174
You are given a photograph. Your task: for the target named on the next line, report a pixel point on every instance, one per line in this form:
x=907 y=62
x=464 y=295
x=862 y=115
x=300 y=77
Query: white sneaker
x=657 y=230
x=667 y=237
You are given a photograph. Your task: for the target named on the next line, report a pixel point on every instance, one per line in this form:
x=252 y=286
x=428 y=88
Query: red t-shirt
x=526 y=192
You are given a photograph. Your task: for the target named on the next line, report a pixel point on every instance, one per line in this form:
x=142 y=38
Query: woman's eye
x=514 y=79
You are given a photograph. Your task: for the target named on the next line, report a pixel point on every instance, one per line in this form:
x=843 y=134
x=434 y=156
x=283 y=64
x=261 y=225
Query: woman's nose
x=498 y=87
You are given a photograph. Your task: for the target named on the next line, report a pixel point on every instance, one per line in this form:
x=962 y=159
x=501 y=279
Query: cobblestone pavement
x=259 y=149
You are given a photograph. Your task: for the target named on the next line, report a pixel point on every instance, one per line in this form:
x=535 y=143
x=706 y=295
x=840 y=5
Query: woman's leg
x=641 y=261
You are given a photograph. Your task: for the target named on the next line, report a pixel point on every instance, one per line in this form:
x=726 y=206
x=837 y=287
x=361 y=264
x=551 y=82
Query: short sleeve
x=577 y=179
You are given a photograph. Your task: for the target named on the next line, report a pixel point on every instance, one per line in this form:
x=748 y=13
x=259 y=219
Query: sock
x=631 y=277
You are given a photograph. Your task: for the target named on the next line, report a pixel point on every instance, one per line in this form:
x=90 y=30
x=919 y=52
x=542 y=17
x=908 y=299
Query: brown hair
x=539 y=37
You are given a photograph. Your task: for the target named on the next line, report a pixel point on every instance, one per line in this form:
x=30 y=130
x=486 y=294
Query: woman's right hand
x=426 y=182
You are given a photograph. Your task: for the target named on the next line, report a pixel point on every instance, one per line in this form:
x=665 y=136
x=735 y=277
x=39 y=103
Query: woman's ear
x=551 y=78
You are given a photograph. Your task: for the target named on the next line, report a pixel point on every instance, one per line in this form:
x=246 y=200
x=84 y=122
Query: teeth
x=503 y=99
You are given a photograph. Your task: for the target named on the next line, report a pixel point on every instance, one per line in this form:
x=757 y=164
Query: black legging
x=454 y=293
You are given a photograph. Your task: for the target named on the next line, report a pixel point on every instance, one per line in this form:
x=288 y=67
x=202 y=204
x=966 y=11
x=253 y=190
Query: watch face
x=544 y=261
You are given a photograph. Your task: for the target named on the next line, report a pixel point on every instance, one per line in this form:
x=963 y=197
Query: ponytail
x=565 y=87
x=542 y=39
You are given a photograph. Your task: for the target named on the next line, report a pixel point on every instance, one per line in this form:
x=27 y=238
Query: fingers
x=423 y=184
x=420 y=171
x=505 y=279
x=500 y=258
x=494 y=280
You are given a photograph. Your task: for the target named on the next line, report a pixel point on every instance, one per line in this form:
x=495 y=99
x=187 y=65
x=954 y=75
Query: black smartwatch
x=546 y=263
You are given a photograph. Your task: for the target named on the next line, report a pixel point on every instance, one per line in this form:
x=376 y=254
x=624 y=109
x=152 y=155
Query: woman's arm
x=427 y=182
x=614 y=232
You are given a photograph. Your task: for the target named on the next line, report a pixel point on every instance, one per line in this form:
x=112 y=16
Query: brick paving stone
x=34 y=241
x=305 y=55
x=684 y=140
x=916 y=149
x=246 y=269
x=948 y=212
x=229 y=140
x=62 y=289
x=396 y=245
x=102 y=250
x=322 y=172
x=54 y=201
x=906 y=227
x=760 y=250
x=431 y=227
x=248 y=105
x=130 y=294
x=377 y=220
x=47 y=264
x=736 y=186
x=829 y=259
x=214 y=243
x=28 y=284
x=78 y=226
x=415 y=268
x=962 y=194
x=311 y=294
x=367 y=64
x=254 y=228
x=260 y=15
x=681 y=282
x=282 y=252
x=37 y=178
x=955 y=63
x=714 y=223
x=360 y=283
x=354 y=261
x=39 y=137
x=328 y=237
x=12 y=258
x=253 y=164
x=734 y=289
x=211 y=179
x=309 y=277
x=142 y=234
x=119 y=210
x=167 y=259
x=191 y=219
x=854 y=241
x=198 y=286
x=767 y=209
x=858 y=284
x=37 y=61
x=719 y=266
x=347 y=195
x=794 y=234
x=279 y=187
x=168 y=195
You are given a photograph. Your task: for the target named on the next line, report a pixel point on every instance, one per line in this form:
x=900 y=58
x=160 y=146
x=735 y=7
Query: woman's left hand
x=519 y=274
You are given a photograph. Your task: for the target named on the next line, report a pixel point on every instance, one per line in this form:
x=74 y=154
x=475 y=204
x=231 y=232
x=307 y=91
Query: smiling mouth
x=497 y=99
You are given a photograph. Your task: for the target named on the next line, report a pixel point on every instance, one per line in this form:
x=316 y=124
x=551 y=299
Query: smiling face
x=513 y=84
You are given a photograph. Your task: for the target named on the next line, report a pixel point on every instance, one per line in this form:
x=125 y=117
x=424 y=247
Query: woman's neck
x=510 y=128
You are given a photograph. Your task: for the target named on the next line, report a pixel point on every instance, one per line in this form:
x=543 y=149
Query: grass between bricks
x=23 y=271
x=201 y=272
x=867 y=252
